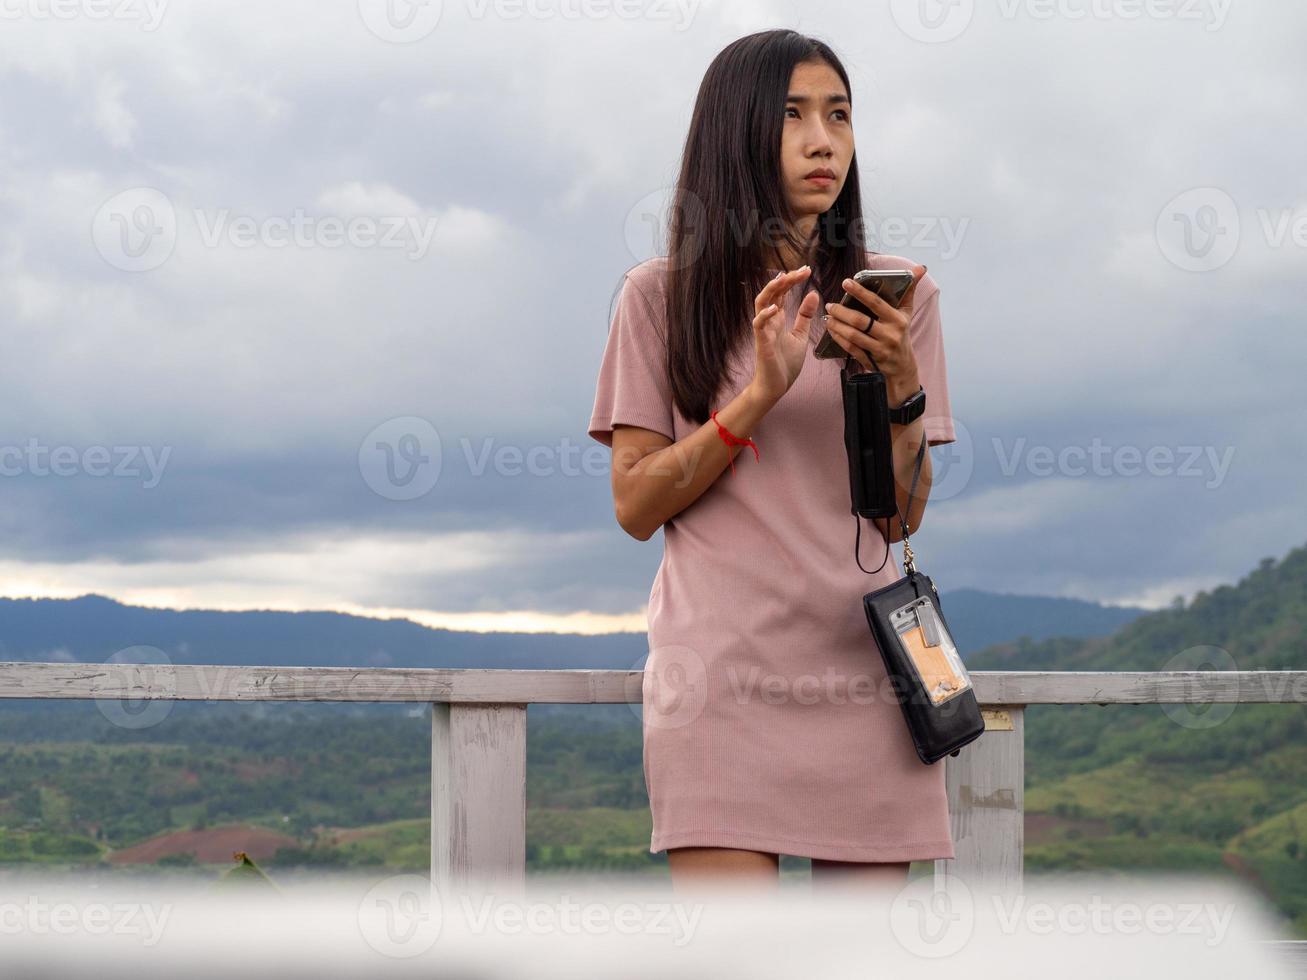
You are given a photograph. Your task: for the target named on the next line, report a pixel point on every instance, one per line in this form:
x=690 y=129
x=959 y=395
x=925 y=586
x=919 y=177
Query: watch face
x=914 y=406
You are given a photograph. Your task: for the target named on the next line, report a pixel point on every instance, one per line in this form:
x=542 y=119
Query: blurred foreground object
x=400 y=926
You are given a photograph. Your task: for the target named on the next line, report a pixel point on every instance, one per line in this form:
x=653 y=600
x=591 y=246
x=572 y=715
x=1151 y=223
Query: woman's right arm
x=654 y=479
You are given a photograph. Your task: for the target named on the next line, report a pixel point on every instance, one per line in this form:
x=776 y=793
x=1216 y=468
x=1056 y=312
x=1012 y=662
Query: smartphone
x=891 y=285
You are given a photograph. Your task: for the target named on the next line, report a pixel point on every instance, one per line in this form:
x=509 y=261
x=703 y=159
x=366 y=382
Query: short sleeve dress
x=768 y=721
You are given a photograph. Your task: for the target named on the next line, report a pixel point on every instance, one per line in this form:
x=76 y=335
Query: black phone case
x=937 y=730
x=867 y=443
x=826 y=346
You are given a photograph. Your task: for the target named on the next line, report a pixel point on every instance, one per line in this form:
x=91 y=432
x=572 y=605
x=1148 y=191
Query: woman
x=769 y=724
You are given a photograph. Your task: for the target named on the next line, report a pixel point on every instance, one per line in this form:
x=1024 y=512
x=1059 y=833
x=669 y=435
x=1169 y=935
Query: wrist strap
x=909 y=566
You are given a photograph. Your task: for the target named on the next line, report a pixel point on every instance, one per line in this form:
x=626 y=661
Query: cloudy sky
x=301 y=303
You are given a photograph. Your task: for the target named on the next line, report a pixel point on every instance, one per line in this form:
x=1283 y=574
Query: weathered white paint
x=986 y=793
x=994 y=688
x=478 y=797
x=478 y=727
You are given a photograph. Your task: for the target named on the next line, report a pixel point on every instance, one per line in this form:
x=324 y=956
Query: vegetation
x=1212 y=789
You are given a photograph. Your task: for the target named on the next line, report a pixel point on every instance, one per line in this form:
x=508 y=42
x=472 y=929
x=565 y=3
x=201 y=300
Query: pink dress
x=769 y=723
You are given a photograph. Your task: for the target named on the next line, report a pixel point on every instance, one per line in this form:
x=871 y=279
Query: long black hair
x=728 y=205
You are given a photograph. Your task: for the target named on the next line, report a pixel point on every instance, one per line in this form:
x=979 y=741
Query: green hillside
x=1202 y=787
x=1214 y=789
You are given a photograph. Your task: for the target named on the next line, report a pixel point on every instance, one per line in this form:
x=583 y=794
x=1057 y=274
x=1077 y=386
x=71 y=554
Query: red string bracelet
x=732 y=440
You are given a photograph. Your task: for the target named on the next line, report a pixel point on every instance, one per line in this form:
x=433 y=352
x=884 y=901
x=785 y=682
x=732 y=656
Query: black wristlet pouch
x=930 y=680
x=867 y=442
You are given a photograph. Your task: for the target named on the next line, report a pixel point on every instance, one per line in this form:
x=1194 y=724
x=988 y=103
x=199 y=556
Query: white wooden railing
x=478 y=740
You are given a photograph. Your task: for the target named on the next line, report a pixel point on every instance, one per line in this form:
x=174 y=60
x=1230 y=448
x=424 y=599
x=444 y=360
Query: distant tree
x=302 y=827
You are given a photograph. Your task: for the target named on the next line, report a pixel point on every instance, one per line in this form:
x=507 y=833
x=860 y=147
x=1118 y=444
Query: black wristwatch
x=911 y=408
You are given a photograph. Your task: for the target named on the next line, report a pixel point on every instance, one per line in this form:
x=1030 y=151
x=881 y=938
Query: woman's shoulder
x=649 y=276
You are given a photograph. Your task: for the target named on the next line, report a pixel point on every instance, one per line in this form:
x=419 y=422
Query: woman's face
x=817 y=136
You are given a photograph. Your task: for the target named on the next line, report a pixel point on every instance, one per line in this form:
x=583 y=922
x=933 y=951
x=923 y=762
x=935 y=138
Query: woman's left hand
x=889 y=342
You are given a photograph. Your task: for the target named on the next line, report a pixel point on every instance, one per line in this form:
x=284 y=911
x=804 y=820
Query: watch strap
x=910 y=409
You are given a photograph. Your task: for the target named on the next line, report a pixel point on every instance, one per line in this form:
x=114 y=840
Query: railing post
x=986 y=791
x=478 y=796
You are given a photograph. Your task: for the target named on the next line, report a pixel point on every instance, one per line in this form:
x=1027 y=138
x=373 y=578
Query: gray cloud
x=1032 y=158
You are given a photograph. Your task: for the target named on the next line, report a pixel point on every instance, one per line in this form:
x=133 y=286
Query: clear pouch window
x=930 y=650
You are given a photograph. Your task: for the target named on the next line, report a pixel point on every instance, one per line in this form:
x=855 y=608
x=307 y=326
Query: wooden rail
x=478 y=740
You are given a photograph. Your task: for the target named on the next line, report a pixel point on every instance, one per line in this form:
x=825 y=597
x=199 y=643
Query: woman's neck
x=788 y=257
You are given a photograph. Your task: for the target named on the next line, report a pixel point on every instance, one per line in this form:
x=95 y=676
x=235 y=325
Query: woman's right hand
x=780 y=353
